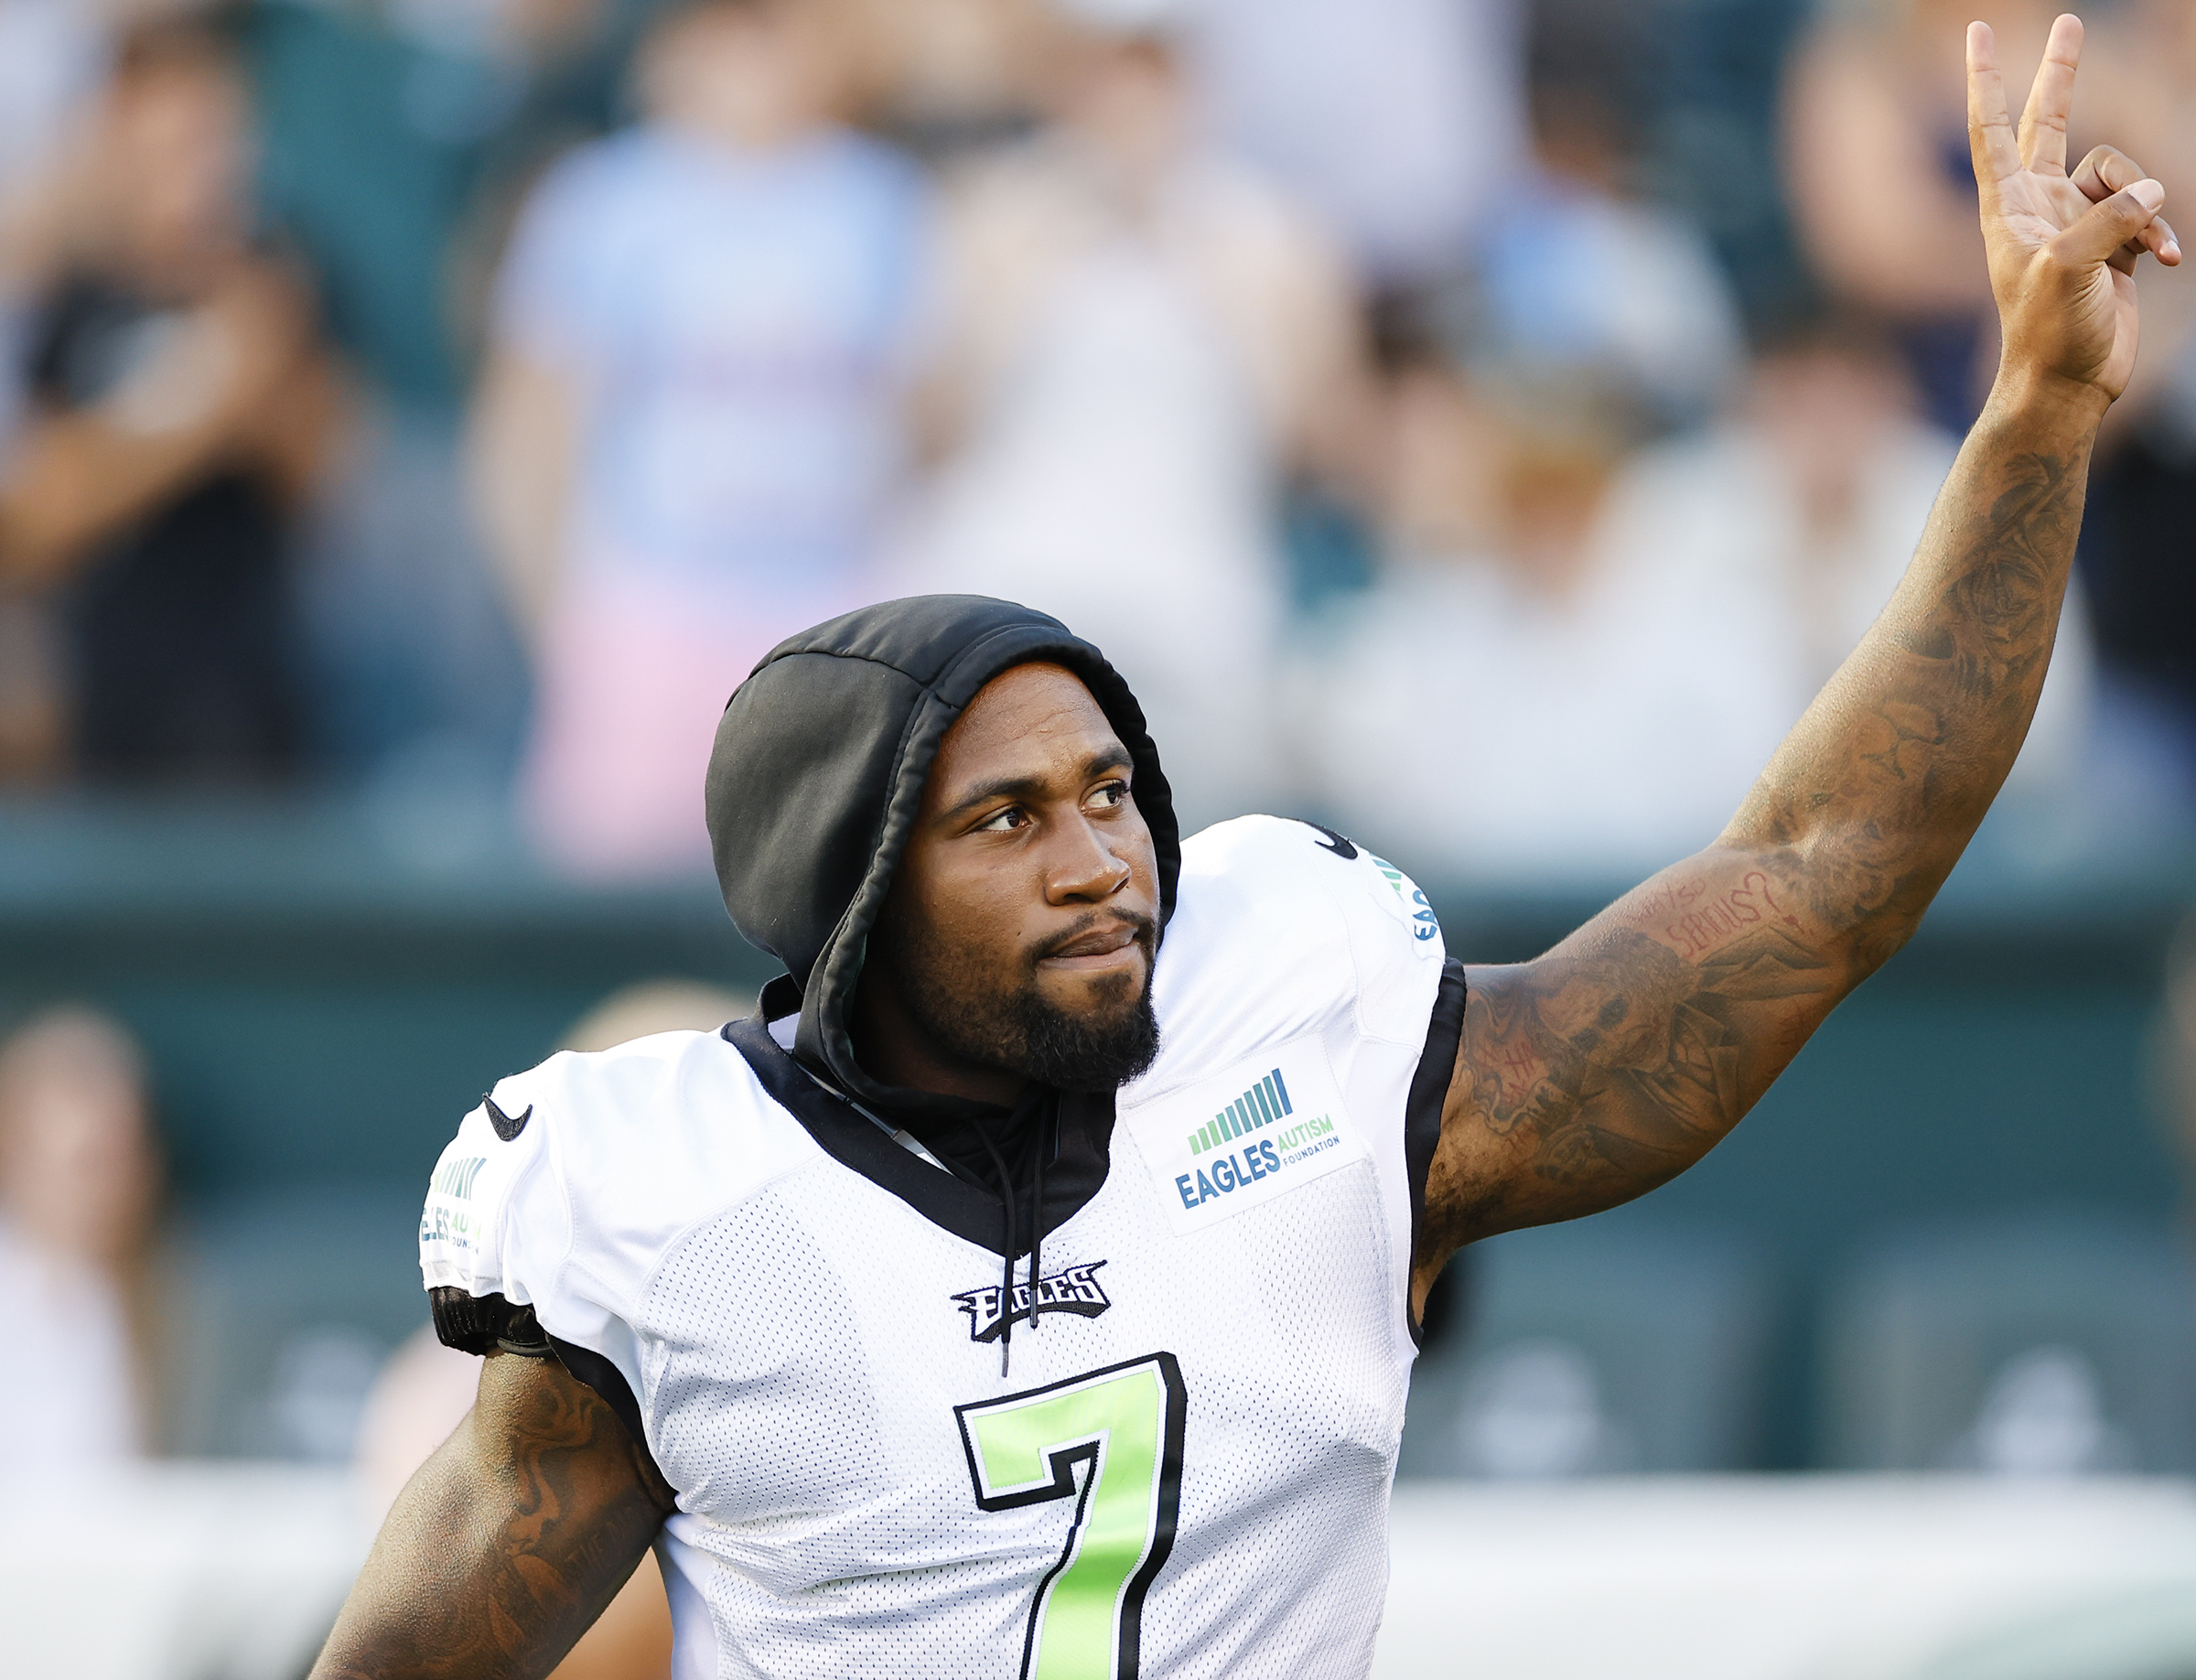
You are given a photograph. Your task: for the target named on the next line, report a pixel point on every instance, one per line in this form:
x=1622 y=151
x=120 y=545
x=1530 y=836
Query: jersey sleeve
x=1407 y=993
x=1287 y=934
x=1397 y=954
x=1313 y=926
x=494 y=1230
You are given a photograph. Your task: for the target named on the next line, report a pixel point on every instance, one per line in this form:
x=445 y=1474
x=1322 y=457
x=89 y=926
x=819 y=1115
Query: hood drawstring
x=1039 y=1145
x=1046 y=1115
x=1013 y=1231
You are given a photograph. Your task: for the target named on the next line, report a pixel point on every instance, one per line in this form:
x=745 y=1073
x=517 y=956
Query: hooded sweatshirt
x=818 y=774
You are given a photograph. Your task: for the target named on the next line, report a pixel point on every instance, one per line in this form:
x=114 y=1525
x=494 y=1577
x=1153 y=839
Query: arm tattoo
x=508 y=1544
x=1614 y=1062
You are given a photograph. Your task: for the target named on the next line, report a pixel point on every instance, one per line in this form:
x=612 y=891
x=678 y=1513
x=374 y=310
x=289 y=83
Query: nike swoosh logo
x=1334 y=843
x=506 y=1126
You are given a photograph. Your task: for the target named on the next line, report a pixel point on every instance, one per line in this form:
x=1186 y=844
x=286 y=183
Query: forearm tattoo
x=508 y=1544
x=1614 y=1062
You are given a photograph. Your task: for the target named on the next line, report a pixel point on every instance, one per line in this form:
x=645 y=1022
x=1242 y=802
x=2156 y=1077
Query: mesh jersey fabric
x=807 y=1348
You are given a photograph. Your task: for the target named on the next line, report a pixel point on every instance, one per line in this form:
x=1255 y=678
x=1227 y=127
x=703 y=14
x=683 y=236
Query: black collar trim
x=971 y=1213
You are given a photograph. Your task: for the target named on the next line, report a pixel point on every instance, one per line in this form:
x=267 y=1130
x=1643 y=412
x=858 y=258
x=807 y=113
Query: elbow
x=1879 y=939
x=1883 y=921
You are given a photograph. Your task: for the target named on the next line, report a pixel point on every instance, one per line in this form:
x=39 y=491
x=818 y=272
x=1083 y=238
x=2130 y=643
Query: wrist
x=2038 y=397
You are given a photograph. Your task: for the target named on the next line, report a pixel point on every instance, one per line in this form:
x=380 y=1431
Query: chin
x=1098 y=997
x=1099 y=1040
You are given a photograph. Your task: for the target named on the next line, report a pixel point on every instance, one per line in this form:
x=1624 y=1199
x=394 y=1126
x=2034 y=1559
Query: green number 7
x=1124 y=1425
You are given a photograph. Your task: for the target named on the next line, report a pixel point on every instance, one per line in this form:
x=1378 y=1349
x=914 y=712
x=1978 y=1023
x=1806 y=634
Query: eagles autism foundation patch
x=1260 y=1128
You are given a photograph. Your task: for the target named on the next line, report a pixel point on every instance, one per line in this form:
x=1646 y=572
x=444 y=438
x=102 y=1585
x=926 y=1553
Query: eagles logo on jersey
x=1075 y=1290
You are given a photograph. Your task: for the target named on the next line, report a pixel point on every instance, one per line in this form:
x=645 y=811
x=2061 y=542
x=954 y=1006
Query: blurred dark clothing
x=1940 y=350
x=177 y=633
x=2134 y=558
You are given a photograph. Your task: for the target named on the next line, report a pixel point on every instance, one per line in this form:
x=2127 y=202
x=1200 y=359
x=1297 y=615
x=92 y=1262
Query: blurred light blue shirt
x=739 y=324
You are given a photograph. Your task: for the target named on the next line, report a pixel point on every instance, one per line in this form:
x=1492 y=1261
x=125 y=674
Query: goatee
x=1021 y=1031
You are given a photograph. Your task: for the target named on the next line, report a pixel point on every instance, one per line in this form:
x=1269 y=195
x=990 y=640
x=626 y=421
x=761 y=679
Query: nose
x=1086 y=871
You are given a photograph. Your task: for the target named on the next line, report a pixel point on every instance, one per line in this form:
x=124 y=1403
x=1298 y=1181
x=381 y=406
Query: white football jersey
x=1185 y=1472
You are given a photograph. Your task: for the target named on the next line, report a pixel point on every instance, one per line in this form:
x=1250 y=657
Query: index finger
x=1989 y=125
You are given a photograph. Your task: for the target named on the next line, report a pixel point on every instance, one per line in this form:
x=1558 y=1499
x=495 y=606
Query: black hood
x=818 y=773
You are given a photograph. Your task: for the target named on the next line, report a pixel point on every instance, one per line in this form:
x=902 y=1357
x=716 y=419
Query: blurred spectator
x=52 y=60
x=78 y=1180
x=1615 y=671
x=1580 y=276
x=426 y=1389
x=1135 y=340
x=1481 y=710
x=688 y=424
x=180 y=405
x=948 y=77
x=394 y=137
x=1875 y=149
x=1780 y=535
x=1400 y=120
x=53 y=54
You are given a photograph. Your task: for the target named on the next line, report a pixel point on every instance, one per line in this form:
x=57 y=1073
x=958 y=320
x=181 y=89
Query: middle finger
x=2052 y=98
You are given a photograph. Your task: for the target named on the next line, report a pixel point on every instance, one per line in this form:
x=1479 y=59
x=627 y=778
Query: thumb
x=2109 y=224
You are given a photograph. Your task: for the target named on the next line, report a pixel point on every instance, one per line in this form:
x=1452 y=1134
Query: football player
x=1030 y=1286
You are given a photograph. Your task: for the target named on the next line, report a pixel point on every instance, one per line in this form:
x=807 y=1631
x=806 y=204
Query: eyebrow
x=1114 y=757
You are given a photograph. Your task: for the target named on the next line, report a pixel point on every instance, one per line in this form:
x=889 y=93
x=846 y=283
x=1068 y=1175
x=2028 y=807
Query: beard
x=959 y=1004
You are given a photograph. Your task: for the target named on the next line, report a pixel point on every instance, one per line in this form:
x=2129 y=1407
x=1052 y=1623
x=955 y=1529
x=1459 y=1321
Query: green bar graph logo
x=1262 y=1105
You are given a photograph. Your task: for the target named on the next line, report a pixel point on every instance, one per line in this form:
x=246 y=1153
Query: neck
x=894 y=1051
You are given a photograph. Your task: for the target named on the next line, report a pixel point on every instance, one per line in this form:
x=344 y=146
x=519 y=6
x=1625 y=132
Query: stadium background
x=1578 y=257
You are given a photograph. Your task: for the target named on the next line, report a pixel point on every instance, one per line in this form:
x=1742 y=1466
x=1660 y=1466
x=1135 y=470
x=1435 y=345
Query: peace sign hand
x=2061 y=249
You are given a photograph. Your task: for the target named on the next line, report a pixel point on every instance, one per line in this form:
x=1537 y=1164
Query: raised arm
x=1615 y=1061
x=508 y=1542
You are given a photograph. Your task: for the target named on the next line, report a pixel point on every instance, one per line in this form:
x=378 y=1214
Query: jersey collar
x=859 y=1144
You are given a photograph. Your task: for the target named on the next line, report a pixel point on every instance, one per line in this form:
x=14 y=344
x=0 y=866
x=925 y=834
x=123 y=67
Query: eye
x=1001 y=822
x=1110 y=795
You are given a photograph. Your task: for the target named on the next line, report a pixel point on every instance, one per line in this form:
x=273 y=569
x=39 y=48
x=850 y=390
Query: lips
x=1098 y=941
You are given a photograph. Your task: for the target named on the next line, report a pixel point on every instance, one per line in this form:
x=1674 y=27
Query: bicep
x=508 y=1542
x=1592 y=1074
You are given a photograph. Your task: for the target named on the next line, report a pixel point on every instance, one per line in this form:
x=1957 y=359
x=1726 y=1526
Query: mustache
x=1146 y=933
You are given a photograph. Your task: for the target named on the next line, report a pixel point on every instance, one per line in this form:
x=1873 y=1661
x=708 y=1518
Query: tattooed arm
x=1615 y=1061
x=508 y=1542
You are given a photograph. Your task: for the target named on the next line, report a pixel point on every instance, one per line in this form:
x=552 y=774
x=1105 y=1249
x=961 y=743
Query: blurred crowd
x=1480 y=424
